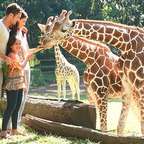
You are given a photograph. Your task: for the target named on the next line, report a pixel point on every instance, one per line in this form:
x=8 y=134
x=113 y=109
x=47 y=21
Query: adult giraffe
x=102 y=76
x=130 y=41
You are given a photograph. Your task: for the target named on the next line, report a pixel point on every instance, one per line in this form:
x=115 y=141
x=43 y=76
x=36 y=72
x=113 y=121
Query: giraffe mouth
x=68 y=27
x=40 y=46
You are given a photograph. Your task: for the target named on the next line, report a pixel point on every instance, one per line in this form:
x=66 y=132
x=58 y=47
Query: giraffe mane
x=124 y=26
x=91 y=42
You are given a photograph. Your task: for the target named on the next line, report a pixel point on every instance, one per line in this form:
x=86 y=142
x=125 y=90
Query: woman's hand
x=25 y=30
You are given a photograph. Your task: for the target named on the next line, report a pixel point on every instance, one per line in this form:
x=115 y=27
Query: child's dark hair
x=11 y=41
x=13 y=8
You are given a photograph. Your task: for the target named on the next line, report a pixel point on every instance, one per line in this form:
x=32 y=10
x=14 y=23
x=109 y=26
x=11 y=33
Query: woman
x=21 y=32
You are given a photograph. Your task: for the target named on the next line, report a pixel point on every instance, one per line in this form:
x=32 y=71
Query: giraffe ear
x=42 y=27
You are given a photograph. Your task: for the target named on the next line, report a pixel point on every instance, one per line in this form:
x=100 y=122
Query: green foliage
x=5 y=71
x=37 y=78
x=34 y=62
x=125 y=11
x=129 y=12
x=40 y=78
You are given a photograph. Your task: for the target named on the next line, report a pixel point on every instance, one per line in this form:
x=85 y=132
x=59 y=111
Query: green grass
x=34 y=138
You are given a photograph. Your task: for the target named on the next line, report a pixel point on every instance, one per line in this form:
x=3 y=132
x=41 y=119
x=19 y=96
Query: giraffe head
x=55 y=30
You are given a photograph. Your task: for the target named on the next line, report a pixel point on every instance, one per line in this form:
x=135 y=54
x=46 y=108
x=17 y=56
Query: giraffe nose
x=44 y=41
x=39 y=43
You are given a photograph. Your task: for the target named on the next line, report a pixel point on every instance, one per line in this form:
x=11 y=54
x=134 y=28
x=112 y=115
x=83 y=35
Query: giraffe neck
x=118 y=35
x=85 y=50
x=60 y=59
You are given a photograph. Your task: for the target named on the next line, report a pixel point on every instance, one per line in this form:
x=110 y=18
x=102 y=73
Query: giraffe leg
x=77 y=87
x=101 y=102
x=58 y=89
x=91 y=100
x=123 y=114
x=142 y=118
x=142 y=110
x=73 y=91
x=91 y=96
x=136 y=104
x=126 y=101
x=72 y=84
x=77 y=90
x=64 y=88
x=72 y=87
x=59 y=85
x=102 y=106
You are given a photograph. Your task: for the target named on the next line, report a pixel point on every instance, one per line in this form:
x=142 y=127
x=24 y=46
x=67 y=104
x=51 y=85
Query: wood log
x=49 y=127
x=68 y=111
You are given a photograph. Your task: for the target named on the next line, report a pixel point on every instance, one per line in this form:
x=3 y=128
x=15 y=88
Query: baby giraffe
x=66 y=72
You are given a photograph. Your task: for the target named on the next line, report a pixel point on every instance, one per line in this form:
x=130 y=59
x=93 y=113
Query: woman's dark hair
x=15 y=27
x=11 y=41
x=13 y=8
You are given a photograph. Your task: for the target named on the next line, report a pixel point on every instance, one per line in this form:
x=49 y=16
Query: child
x=14 y=86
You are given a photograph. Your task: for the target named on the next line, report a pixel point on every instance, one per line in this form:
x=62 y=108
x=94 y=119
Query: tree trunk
x=69 y=112
x=49 y=127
